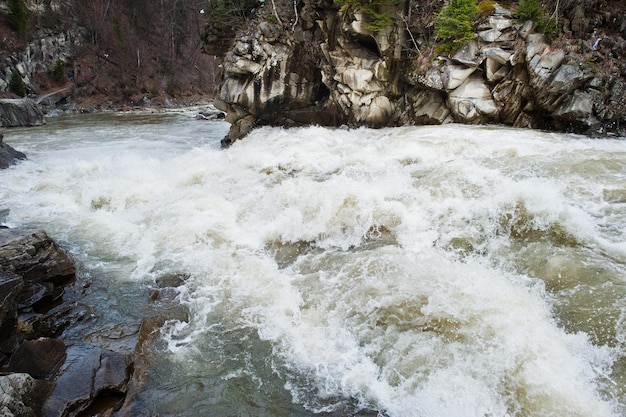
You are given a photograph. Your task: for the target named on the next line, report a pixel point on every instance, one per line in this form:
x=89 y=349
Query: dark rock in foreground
x=43 y=375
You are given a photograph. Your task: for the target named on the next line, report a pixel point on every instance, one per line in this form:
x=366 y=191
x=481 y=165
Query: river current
x=448 y=271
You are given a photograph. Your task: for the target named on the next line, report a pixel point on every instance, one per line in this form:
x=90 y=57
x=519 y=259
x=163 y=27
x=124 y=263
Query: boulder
x=472 y=101
x=88 y=374
x=567 y=78
x=38 y=358
x=455 y=75
x=8 y=155
x=428 y=107
x=577 y=108
x=20 y=112
x=35 y=256
x=10 y=290
x=21 y=395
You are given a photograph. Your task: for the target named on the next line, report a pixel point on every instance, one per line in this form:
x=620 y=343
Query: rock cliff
x=312 y=62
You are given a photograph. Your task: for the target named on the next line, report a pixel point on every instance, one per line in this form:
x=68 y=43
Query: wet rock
x=38 y=358
x=211 y=115
x=20 y=112
x=38 y=259
x=10 y=289
x=8 y=155
x=21 y=395
x=88 y=374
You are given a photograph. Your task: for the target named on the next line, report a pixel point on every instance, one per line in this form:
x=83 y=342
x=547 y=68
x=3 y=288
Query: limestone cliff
x=312 y=62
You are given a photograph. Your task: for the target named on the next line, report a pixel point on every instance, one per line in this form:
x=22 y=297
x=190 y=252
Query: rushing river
x=421 y=271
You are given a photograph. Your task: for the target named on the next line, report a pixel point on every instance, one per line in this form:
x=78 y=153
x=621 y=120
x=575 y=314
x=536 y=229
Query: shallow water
x=418 y=271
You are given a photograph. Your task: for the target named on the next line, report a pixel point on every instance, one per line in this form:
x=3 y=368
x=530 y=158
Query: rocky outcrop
x=328 y=68
x=43 y=375
x=38 y=56
x=20 y=112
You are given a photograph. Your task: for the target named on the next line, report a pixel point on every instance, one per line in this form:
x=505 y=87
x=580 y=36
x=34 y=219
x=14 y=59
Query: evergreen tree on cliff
x=454 y=24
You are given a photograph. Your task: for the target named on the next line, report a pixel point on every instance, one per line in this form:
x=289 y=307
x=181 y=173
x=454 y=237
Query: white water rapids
x=447 y=271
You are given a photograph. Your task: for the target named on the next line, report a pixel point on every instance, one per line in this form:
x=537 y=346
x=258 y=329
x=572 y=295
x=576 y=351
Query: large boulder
x=20 y=112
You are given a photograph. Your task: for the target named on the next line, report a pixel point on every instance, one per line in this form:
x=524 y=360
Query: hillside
x=119 y=52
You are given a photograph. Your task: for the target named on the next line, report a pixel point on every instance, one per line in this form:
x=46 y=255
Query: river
x=448 y=271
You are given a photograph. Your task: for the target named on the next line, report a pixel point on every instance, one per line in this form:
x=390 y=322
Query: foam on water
x=412 y=271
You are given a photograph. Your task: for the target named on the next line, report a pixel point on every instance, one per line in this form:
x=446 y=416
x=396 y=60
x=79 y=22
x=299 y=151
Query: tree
x=531 y=10
x=16 y=84
x=454 y=24
x=17 y=18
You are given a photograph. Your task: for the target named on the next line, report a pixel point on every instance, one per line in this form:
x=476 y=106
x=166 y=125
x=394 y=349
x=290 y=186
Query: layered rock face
x=326 y=67
x=20 y=112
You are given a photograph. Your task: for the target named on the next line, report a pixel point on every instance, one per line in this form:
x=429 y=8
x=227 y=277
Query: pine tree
x=454 y=24
x=17 y=17
x=16 y=84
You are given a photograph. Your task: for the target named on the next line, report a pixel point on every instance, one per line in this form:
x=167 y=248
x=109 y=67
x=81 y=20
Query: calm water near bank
x=417 y=271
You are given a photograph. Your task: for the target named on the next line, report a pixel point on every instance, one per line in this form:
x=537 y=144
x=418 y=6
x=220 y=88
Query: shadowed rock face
x=327 y=68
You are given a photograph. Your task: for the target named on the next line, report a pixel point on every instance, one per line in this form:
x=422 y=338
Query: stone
x=498 y=55
x=377 y=113
x=10 y=288
x=87 y=373
x=455 y=75
x=358 y=79
x=490 y=35
x=468 y=54
x=35 y=256
x=211 y=115
x=499 y=22
x=20 y=112
x=567 y=78
x=577 y=108
x=21 y=395
x=428 y=107
x=543 y=68
x=491 y=69
x=8 y=155
x=43 y=265
x=472 y=101
x=39 y=358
